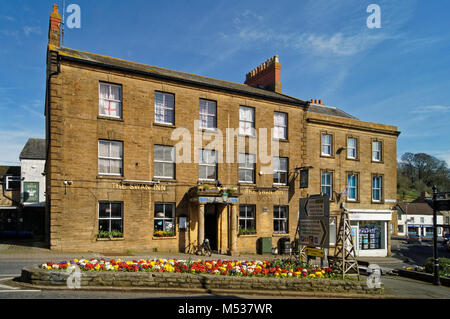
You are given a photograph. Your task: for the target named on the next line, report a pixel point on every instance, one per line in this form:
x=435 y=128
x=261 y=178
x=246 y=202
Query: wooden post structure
x=345 y=255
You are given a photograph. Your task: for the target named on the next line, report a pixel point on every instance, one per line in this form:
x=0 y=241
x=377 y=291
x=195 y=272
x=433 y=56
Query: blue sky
x=398 y=74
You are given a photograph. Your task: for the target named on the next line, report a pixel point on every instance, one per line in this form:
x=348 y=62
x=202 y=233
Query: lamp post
x=435 y=252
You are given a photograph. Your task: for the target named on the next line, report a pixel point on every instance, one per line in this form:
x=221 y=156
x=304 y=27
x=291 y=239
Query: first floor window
x=207 y=167
x=376 y=151
x=352 y=185
x=110 y=219
x=208 y=114
x=352 y=147
x=280 y=170
x=110 y=157
x=280 y=219
x=377 y=182
x=110 y=100
x=327 y=144
x=247 y=224
x=164 y=160
x=164 y=219
x=247 y=168
x=280 y=125
x=327 y=184
x=164 y=108
x=246 y=120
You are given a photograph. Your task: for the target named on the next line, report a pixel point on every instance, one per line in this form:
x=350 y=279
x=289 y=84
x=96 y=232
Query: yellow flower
x=97 y=267
x=75 y=260
x=49 y=267
x=283 y=274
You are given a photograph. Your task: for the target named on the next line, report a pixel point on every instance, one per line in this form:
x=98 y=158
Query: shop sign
x=31 y=192
x=218 y=200
x=314 y=252
x=155 y=187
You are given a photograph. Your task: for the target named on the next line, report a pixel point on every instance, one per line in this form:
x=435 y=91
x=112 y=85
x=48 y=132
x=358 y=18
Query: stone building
x=146 y=158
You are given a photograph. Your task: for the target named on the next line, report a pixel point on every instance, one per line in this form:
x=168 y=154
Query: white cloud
x=28 y=30
x=431 y=109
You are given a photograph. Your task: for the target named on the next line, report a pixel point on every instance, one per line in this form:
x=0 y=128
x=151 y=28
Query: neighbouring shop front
x=370 y=231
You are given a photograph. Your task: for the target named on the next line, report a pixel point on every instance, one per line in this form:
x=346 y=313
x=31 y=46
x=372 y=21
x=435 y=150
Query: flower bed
x=277 y=269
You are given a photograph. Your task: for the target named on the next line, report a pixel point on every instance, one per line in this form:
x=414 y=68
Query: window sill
x=167 y=125
x=163 y=237
x=164 y=180
x=326 y=156
x=352 y=159
x=110 y=118
x=209 y=130
x=248 y=235
x=377 y=162
x=111 y=239
x=247 y=135
x=284 y=140
x=114 y=177
x=280 y=234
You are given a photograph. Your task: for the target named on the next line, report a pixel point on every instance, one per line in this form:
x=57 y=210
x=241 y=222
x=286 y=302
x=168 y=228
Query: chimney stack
x=267 y=75
x=54 y=31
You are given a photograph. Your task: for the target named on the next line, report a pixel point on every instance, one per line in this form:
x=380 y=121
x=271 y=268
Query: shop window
x=110 y=157
x=327 y=184
x=280 y=170
x=207 y=167
x=247 y=168
x=247 y=219
x=164 y=161
x=280 y=125
x=247 y=120
x=164 y=219
x=110 y=100
x=281 y=219
x=164 y=108
x=208 y=114
x=371 y=235
x=110 y=219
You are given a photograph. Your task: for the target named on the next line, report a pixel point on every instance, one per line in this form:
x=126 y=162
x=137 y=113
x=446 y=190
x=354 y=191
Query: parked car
x=414 y=239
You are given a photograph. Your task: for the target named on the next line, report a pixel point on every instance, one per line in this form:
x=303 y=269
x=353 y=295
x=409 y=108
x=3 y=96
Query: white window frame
x=376 y=151
x=242 y=130
x=165 y=219
x=110 y=218
x=352 y=187
x=109 y=99
x=352 y=151
x=246 y=218
x=10 y=178
x=111 y=158
x=172 y=163
x=245 y=166
x=165 y=107
x=280 y=220
x=277 y=171
x=377 y=188
x=208 y=115
x=322 y=185
x=323 y=144
x=207 y=165
x=284 y=126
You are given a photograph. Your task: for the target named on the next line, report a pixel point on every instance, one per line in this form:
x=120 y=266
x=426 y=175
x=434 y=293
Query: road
x=11 y=265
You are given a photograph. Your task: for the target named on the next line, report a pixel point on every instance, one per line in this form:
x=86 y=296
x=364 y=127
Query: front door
x=211 y=225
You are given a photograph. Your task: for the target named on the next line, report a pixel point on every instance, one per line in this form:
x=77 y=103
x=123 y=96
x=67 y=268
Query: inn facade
x=116 y=131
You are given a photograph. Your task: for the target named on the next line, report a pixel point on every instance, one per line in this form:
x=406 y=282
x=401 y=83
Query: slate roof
x=416 y=208
x=35 y=148
x=9 y=170
x=329 y=110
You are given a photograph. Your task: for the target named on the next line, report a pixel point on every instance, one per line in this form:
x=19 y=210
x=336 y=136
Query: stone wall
x=54 y=278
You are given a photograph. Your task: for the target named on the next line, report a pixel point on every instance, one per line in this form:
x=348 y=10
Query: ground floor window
x=164 y=219
x=247 y=224
x=110 y=219
x=400 y=228
x=280 y=219
x=333 y=230
x=371 y=235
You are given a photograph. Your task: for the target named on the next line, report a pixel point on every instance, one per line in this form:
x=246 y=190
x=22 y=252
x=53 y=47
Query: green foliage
x=418 y=173
x=444 y=266
x=109 y=234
